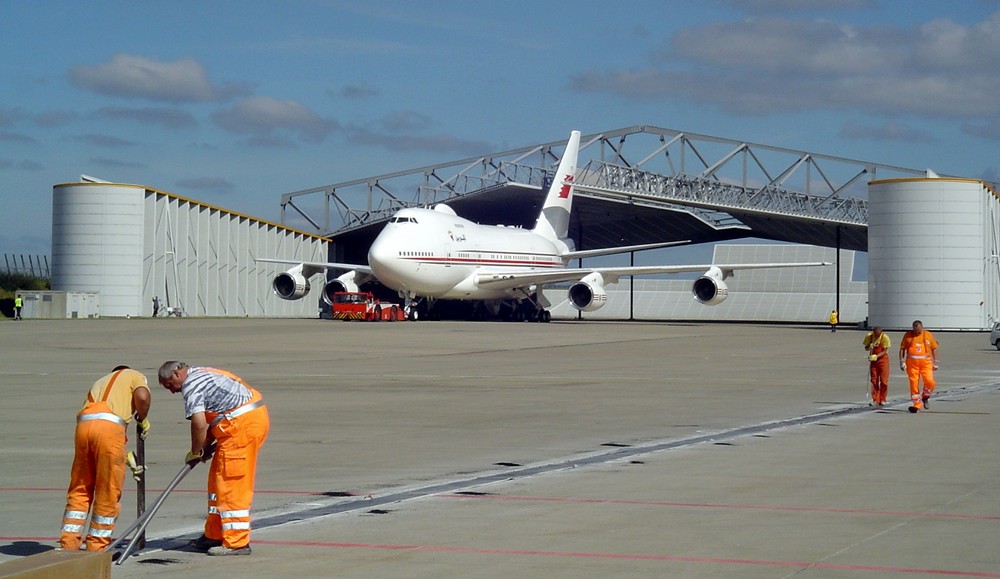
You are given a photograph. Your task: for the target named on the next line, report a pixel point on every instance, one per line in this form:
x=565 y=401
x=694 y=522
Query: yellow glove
x=137 y=469
x=194 y=456
x=873 y=357
x=144 y=426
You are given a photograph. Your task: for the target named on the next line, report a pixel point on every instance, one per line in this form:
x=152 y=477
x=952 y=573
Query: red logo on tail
x=568 y=182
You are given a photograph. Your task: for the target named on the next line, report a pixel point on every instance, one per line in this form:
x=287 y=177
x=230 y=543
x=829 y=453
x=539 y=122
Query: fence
x=33 y=265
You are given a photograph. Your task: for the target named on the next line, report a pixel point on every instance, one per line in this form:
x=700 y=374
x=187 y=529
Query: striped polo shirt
x=209 y=390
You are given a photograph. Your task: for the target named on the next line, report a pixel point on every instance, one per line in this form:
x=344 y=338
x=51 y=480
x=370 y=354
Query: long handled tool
x=140 y=524
x=868 y=384
x=140 y=486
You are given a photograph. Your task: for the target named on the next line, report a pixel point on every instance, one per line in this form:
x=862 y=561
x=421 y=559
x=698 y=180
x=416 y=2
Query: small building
x=48 y=304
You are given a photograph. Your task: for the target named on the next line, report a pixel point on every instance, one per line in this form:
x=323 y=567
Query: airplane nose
x=381 y=256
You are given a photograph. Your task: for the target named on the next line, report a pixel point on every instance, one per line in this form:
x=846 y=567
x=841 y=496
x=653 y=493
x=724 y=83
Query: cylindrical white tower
x=926 y=252
x=97 y=243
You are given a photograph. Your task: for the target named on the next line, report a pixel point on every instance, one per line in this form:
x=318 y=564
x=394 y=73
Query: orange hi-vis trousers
x=96 y=478
x=879 y=371
x=917 y=368
x=231 y=475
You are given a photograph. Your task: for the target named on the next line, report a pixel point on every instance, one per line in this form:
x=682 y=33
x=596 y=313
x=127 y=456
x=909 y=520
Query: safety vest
x=919 y=347
x=17 y=302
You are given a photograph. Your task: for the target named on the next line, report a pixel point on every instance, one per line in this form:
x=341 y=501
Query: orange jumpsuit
x=239 y=436
x=879 y=369
x=919 y=364
x=99 y=461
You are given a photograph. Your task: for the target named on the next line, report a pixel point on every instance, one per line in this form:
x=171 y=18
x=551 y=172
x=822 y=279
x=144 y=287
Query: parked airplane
x=429 y=254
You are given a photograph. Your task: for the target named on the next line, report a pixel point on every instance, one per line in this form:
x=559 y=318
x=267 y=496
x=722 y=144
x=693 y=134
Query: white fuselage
x=434 y=253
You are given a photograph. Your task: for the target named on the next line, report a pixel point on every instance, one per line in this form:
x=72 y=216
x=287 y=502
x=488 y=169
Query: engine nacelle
x=709 y=289
x=587 y=296
x=334 y=286
x=290 y=285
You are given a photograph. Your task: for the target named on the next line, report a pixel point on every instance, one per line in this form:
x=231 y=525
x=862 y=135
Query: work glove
x=137 y=469
x=144 y=427
x=873 y=357
x=902 y=366
x=193 y=457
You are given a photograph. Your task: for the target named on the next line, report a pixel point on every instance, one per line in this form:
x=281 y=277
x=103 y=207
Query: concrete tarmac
x=569 y=449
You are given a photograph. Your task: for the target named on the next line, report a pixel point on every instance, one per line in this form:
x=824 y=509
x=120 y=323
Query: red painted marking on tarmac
x=634 y=557
x=722 y=506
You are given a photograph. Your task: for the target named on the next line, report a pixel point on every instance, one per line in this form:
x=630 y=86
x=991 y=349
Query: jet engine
x=588 y=294
x=335 y=286
x=290 y=285
x=710 y=289
x=347 y=282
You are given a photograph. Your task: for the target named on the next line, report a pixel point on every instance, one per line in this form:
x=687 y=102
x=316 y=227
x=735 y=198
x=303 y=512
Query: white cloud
x=264 y=116
x=130 y=76
x=780 y=65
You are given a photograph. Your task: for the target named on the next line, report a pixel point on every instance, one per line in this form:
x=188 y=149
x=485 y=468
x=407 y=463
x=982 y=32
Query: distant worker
x=918 y=357
x=18 y=304
x=833 y=321
x=877 y=345
x=224 y=409
x=100 y=457
x=156 y=305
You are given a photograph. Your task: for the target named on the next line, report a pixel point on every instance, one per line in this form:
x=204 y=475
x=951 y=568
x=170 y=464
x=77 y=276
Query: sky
x=235 y=103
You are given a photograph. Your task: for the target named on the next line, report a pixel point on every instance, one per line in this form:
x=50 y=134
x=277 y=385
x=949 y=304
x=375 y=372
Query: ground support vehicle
x=364 y=306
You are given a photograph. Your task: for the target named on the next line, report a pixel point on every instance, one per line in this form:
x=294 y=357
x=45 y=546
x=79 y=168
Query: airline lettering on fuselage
x=567 y=185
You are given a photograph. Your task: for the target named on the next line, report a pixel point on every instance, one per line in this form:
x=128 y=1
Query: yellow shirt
x=882 y=341
x=120 y=399
x=833 y=317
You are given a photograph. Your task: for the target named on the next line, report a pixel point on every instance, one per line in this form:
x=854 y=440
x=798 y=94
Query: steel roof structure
x=639 y=184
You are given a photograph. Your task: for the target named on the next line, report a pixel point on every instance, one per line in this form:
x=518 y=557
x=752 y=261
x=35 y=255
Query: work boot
x=203 y=544
x=925 y=399
x=914 y=409
x=221 y=551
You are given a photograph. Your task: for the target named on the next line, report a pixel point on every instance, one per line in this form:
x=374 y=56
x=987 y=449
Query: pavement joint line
x=358 y=503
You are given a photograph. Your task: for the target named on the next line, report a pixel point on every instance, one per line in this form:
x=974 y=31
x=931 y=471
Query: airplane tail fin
x=553 y=220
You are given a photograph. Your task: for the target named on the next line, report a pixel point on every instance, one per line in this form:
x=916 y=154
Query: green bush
x=11 y=282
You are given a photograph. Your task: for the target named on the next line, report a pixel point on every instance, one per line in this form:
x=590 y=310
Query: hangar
x=638 y=184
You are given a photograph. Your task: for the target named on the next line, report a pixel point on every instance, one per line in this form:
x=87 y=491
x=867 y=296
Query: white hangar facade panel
x=132 y=243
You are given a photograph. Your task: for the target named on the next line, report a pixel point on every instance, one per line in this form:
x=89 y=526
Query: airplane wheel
x=414 y=315
x=545 y=316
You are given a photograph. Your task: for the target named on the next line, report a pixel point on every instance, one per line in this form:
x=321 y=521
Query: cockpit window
x=403 y=220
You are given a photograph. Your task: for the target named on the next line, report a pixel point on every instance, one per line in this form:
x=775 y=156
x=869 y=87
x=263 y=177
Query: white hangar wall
x=801 y=294
x=131 y=243
x=932 y=253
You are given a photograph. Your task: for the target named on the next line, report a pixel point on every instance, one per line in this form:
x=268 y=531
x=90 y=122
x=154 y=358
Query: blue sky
x=235 y=103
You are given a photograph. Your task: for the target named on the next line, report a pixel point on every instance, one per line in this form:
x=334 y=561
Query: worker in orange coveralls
x=225 y=410
x=918 y=357
x=877 y=345
x=100 y=457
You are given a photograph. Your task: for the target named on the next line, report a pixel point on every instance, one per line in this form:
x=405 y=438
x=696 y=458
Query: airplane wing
x=514 y=279
x=317 y=266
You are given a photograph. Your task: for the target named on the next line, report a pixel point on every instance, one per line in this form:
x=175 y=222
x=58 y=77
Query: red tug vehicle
x=364 y=306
